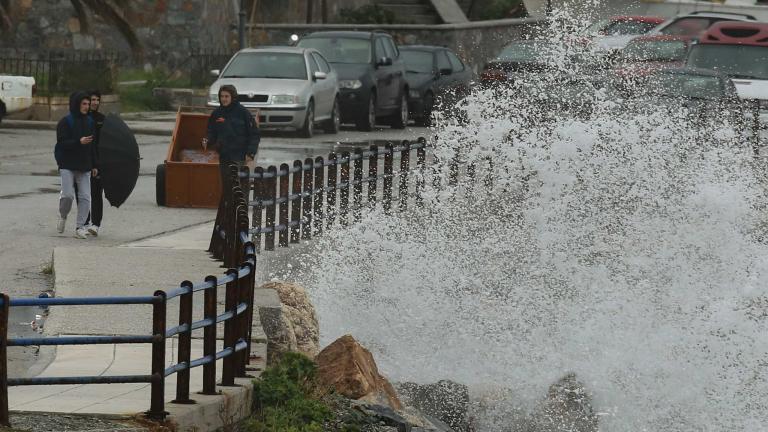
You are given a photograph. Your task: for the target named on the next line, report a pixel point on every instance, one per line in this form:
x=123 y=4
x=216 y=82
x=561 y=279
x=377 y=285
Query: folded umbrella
x=118 y=160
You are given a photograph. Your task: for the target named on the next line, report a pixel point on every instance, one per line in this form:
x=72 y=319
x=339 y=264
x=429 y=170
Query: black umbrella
x=118 y=160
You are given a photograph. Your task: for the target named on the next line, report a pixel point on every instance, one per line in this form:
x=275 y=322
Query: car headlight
x=350 y=84
x=285 y=99
x=414 y=94
x=764 y=104
x=213 y=97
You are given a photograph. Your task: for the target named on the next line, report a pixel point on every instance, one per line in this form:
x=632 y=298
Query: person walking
x=74 y=153
x=93 y=223
x=232 y=131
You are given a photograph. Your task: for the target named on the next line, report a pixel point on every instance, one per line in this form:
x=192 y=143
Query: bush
x=368 y=14
x=139 y=97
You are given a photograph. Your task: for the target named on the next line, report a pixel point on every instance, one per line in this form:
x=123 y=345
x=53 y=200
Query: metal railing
x=237 y=317
x=59 y=73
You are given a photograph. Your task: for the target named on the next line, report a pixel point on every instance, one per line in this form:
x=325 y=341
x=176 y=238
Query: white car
x=291 y=87
x=614 y=33
x=16 y=94
x=694 y=23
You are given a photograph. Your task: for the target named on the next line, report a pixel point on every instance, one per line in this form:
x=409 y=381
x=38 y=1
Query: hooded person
x=93 y=223
x=76 y=159
x=232 y=130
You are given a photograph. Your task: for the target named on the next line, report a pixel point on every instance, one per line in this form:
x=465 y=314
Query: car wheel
x=426 y=116
x=333 y=124
x=308 y=130
x=400 y=118
x=160 y=185
x=367 y=121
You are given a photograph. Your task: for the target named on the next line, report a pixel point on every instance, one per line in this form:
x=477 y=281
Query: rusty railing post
x=306 y=205
x=344 y=189
x=330 y=211
x=283 y=235
x=4 y=311
x=317 y=216
x=296 y=201
x=258 y=195
x=405 y=161
x=157 y=402
x=357 y=190
x=229 y=368
x=243 y=321
x=386 y=194
x=209 y=337
x=373 y=171
x=269 y=236
x=185 y=345
x=756 y=127
x=421 y=160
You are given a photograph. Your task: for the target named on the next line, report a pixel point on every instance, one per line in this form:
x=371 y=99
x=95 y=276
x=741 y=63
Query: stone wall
x=475 y=42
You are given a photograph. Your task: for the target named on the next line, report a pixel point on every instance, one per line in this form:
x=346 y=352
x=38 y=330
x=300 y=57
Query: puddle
x=26 y=322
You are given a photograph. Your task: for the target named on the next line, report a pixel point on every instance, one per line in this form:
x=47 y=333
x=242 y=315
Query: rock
x=567 y=407
x=350 y=369
x=445 y=400
x=289 y=322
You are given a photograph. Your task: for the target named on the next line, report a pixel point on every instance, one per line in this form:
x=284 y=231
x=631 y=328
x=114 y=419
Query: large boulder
x=291 y=325
x=567 y=407
x=350 y=369
x=445 y=400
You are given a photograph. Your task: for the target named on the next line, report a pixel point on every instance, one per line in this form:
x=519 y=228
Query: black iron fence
x=59 y=73
x=239 y=283
x=203 y=62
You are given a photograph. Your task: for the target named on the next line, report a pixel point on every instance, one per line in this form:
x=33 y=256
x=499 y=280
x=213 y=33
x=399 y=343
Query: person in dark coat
x=232 y=131
x=93 y=223
x=75 y=156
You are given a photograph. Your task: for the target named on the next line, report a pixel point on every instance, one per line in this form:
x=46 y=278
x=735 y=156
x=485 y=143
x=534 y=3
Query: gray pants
x=68 y=181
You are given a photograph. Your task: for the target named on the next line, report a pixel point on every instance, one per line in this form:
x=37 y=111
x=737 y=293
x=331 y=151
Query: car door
x=461 y=75
x=398 y=70
x=384 y=76
x=324 y=89
x=445 y=77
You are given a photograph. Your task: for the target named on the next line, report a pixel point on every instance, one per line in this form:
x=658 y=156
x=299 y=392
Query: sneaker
x=60 y=226
x=81 y=233
x=93 y=230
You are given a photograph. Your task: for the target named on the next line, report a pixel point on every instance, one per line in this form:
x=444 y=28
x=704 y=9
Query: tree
x=112 y=12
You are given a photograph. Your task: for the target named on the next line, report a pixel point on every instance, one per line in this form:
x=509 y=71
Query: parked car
x=16 y=94
x=739 y=50
x=517 y=59
x=694 y=23
x=371 y=76
x=435 y=75
x=291 y=87
x=615 y=32
x=645 y=55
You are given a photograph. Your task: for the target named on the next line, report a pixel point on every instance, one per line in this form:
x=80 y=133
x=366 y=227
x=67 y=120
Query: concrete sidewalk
x=135 y=269
x=139 y=127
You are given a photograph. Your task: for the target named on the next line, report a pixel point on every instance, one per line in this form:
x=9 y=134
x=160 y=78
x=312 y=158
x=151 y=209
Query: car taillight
x=493 y=75
x=34 y=89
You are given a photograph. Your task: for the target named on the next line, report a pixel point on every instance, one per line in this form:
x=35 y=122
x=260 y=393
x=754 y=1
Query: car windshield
x=266 y=65
x=417 y=61
x=340 y=50
x=654 y=50
x=736 y=61
x=685 y=85
x=628 y=27
x=688 y=26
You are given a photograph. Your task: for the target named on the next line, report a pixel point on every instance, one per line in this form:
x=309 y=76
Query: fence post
x=386 y=194
x=185 y=345
x=344 y=189
x=251 y=281
x=421 y=159
x=4 y=310
x=283 y=239
x=319 y=195
x=258 y=195
x=157 y=403
x=269 y=195
x=332 y=189
x=243 y=321
x=229 y=368
x=756 y=126
x=373 y=171
x=209 y=337
x=296 y=201
x=306 y=205
x=357 y=192
x=405 y=161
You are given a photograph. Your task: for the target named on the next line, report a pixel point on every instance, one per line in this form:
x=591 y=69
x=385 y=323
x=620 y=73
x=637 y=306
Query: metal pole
x=209 y=338
x=241 y=25
x=310 y=4
x=157 y=404
x=4 y=419
x=185 y=345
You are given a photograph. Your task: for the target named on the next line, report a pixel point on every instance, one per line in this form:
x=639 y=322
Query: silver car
x=291 y=87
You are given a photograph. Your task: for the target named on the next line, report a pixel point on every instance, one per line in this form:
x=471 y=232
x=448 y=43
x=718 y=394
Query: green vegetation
x=368 y=14
x=500 y=9
x=139 y=97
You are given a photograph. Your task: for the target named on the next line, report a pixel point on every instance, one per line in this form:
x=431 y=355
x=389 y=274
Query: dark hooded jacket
x=232 y=131
x=69 y=153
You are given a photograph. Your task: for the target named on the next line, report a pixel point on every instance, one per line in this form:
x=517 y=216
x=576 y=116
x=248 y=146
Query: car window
x=457 y=65
x=684 y=85
x=324 y=66
x=654 y=50
x=390 y=48
x=266 y=65
x=417 y=61
x=442 y=61
x=689 y=26
x=313 y=67
x=340 y=50
x=379 y=48
x=629 y=27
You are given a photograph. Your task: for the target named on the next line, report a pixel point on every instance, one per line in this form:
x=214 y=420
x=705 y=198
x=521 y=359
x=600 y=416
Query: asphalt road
x=29 y=187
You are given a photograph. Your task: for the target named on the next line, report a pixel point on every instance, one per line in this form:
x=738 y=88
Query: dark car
x=435 y=75
x=371 y=73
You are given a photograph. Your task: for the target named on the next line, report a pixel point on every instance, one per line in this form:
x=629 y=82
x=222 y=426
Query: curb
x=44 y=125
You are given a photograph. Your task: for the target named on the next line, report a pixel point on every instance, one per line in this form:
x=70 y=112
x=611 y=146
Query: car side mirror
x=384 y=61
x=445 y=71
x=215 y=73
x=319 y=75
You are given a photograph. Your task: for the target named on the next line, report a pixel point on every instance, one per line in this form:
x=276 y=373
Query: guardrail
x=237 y=317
